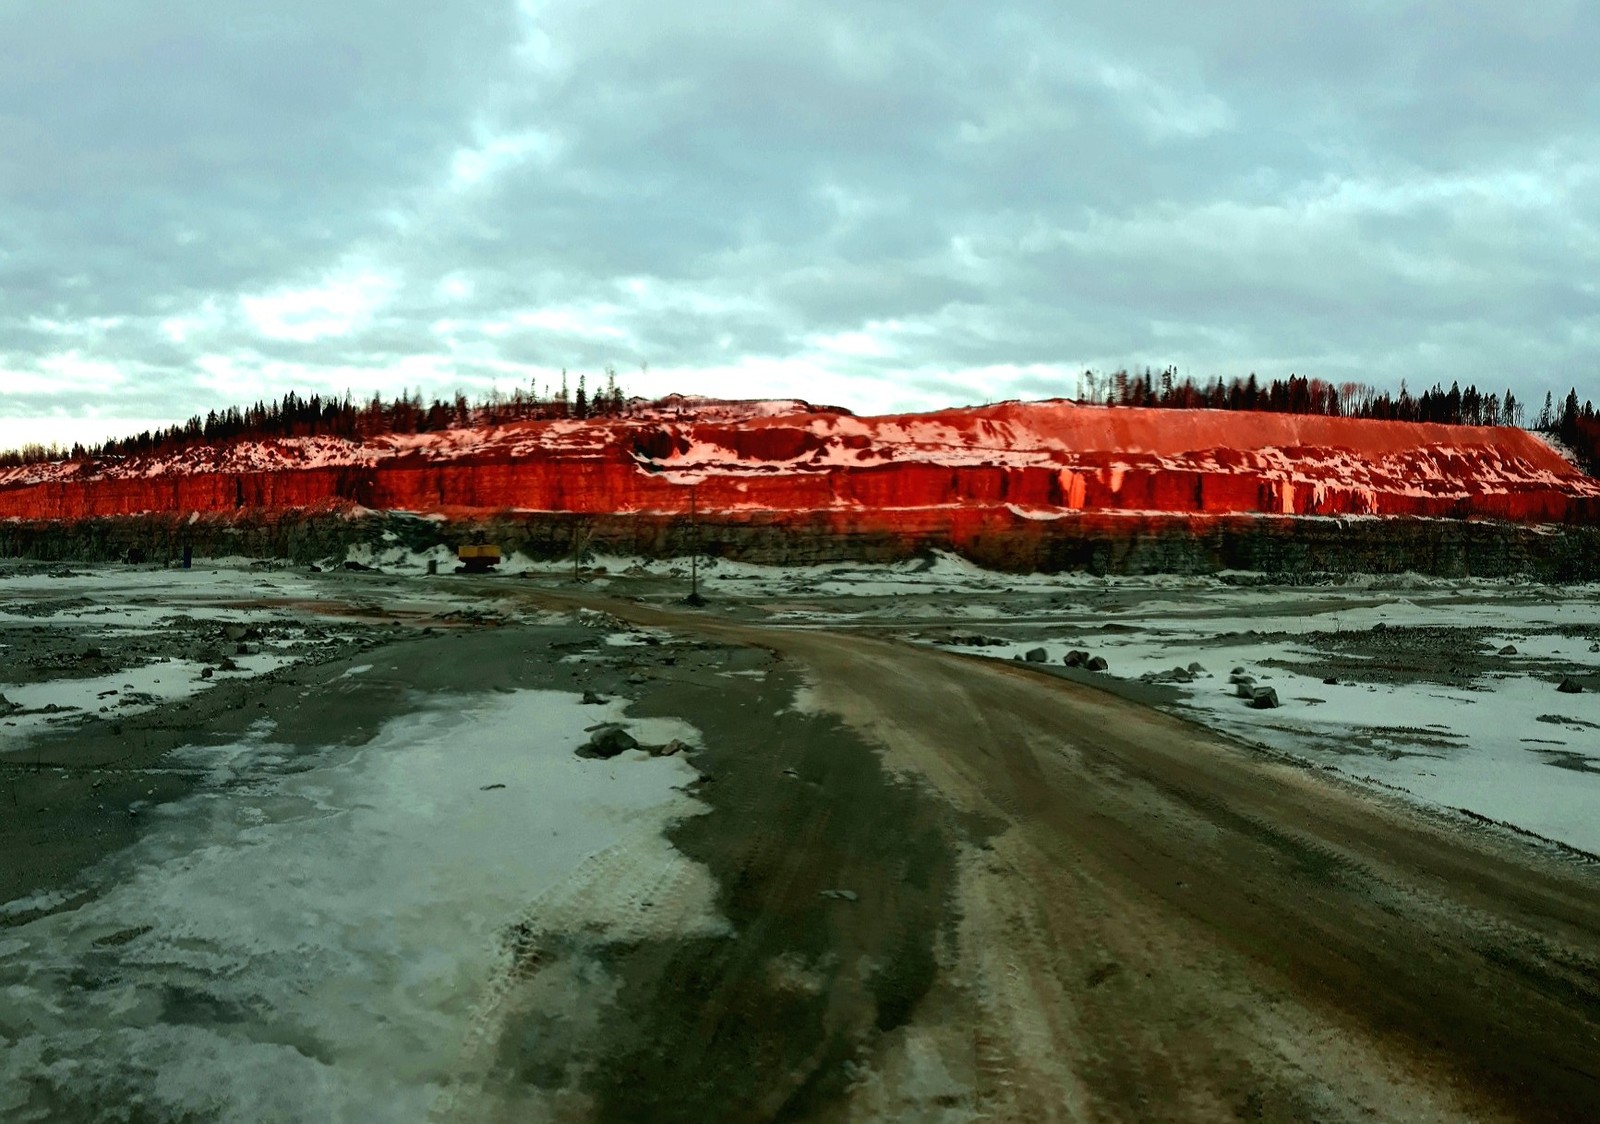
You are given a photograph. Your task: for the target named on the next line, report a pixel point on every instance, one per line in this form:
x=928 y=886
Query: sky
x=880 y=206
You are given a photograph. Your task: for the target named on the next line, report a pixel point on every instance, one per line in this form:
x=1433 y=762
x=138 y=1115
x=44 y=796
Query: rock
x=1332 y=681
x=592 y=699
x=227 y=665
x=1265 y=698
x=1245 y=687
x=1036 y=655
x=1197 y=669
x=1096 y=663
x=1380 y=627
x=1180 y=675
x=840 y=895
x=607 y=743
x=7 y=706
x=1236 y=671
x=1509 y=650
x=1570 y=687
x=489 y=787
x=207 y=672
x=1075 y=658
x=671 y=749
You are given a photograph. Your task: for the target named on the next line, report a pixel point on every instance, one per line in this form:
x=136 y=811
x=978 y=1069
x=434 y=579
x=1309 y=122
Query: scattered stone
x=840 y=895
x=607 y=743
x=1096 y=663
x=1265 y=698
x=1236 y=671
x=1509 y=650
x=359 y=567
x=1036 y=655
x=1245 y=687
x=592 y=699
x=227 y=665
x=1075 y=658
x=1380 y=627
x=1570 y=687
x=207 y=673
x=637 y=680
x=671 y=749
x=1197 y=669
x=1332 y=681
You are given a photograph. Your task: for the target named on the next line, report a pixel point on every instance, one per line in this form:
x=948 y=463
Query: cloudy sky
x=879 y=205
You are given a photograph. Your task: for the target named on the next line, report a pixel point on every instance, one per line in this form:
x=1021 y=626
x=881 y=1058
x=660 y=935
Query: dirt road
x=1147 y=922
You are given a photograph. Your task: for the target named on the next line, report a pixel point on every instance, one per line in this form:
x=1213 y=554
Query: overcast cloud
x=880 y=205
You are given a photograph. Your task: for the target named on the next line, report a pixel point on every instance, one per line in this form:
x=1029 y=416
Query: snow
x=1490 y=747
x=320 y=937
x=1324 y=457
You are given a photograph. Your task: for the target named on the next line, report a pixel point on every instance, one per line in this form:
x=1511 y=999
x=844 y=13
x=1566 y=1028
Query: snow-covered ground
x=324 y=942
x=1477 y=730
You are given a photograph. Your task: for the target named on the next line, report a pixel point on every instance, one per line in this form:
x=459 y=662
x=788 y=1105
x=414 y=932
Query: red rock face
x=963 y=470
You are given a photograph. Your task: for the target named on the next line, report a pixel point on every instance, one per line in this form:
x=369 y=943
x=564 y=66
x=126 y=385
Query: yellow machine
x=478 y=558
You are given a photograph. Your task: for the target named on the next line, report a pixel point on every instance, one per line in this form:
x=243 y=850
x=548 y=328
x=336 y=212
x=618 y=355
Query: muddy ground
x=941 y=887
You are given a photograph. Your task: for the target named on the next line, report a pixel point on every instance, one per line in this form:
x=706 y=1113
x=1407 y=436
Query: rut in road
x=1169 y=925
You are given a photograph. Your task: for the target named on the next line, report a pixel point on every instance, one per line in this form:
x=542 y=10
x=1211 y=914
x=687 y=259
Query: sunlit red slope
x=1042 y=461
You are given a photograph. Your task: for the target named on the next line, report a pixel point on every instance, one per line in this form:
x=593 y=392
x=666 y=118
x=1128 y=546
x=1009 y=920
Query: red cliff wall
x=957 y=468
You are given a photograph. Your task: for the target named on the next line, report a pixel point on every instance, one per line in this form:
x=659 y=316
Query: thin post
x=694 y=544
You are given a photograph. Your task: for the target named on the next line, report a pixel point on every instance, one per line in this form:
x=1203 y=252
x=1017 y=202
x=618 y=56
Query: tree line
x=296 y=416
x=1575 y=424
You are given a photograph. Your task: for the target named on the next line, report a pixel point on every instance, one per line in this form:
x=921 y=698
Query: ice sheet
x=312 y=938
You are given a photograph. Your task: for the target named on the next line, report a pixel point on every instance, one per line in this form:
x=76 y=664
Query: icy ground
x=315 y=942
x=1423 y=702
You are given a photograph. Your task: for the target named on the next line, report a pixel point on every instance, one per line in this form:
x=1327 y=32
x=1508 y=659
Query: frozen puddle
x=324 y=943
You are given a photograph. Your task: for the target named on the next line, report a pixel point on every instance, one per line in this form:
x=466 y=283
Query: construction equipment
x=478 y=558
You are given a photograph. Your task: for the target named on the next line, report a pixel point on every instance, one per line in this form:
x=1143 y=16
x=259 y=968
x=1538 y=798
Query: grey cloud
x=1378 y=191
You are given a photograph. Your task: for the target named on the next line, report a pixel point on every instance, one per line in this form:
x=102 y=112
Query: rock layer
x=1038 y=460
x=1045 y=485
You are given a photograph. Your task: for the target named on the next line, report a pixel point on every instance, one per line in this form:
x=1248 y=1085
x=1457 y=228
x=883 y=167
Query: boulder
x=607 y=742
x=1509 y=650
x=1264 y=698
x=1245 y=687
x=590 y=698
x=671 y=749
x=1197 y=668
x=1096 y=663
x=1570 y=687
x=1036 y=655
x=7 y=706
x=1075 y=658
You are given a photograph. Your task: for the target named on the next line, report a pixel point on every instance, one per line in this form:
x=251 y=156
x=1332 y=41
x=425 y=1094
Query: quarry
x=953 y=795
